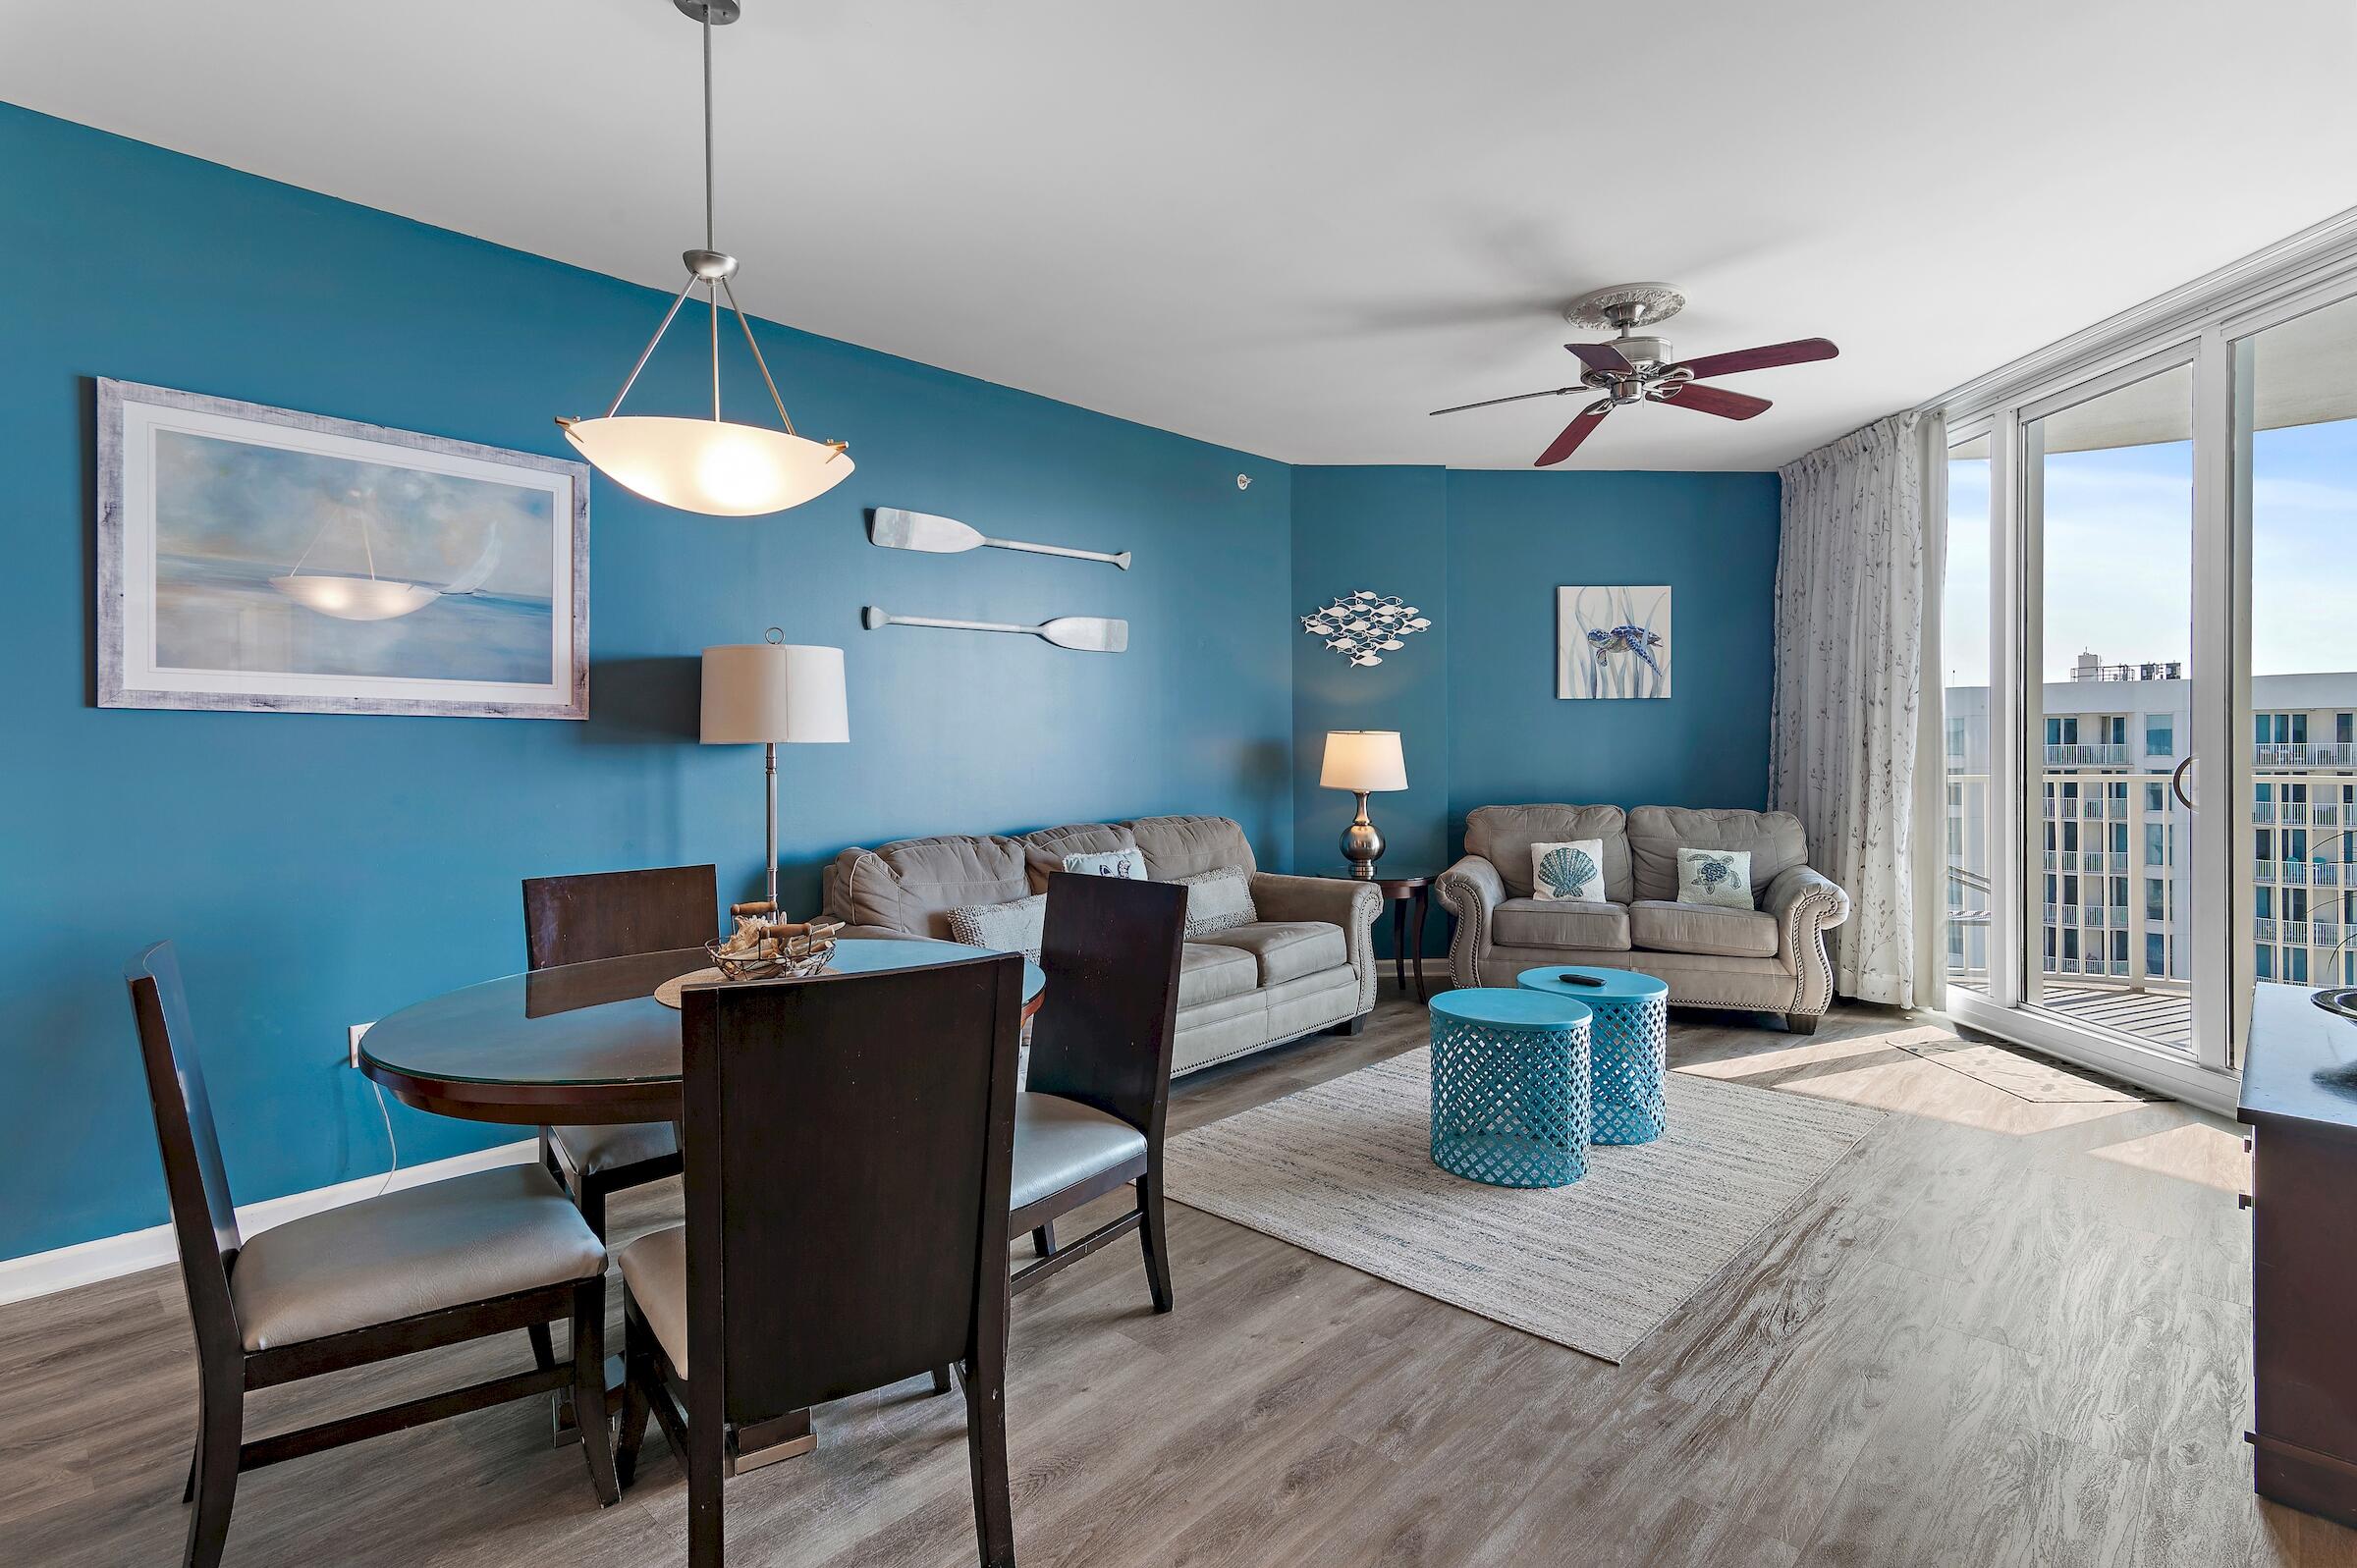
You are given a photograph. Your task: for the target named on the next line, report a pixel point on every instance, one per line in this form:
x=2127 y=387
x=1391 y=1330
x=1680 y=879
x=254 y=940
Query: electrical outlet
x=352 y=1056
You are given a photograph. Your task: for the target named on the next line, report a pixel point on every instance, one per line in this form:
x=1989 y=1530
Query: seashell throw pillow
x=1572 y=870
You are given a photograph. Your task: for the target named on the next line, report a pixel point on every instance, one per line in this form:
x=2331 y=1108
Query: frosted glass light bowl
x=714 y=467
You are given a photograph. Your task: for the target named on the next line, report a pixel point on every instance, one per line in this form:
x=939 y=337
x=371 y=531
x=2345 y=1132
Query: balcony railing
x=2263 y=931
x=2294 y=873
x=2263 y=871
x=2263 y=811
x=2103 y=754
x=2304 y=754
x=2293 y=812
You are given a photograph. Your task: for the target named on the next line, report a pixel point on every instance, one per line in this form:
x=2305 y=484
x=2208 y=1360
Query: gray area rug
x=2023 y=1074
x=1344 y=1169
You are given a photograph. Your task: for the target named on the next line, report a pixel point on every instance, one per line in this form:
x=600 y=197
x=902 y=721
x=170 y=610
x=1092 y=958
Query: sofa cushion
x=910 y=885
x=1656 y=834
x=1207 y=973
x=1044 y=850
x=1559 y=923
x=1667 y=927
x=1285 y=949
x=1181 y=846
x=1503 y=835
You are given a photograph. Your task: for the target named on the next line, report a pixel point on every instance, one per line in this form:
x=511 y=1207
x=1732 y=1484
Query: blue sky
x=2119 y=541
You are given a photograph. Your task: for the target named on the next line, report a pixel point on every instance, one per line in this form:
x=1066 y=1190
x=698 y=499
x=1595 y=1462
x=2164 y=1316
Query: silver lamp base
x=1362 y=845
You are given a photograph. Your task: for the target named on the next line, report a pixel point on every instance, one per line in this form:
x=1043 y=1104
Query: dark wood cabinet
x=2299 y=1096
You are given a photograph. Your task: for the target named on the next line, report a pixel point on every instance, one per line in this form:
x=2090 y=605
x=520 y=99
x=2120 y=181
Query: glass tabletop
x=587 y=1024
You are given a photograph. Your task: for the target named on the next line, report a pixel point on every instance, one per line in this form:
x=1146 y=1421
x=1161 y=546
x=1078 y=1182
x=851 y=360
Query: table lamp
x=768 y=692
x=1362 y=761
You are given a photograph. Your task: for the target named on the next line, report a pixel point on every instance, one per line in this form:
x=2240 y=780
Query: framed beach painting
x=259 y=559
x=1612 y=642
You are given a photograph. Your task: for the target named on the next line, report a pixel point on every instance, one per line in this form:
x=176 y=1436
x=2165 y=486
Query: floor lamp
x=768 y=693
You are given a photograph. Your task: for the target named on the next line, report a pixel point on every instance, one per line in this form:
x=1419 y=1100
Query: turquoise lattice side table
x=1630 y=1045
x=1509 y=1087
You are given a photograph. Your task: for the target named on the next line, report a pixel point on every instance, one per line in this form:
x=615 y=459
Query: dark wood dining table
x=588 y=1045
x=579 y=1044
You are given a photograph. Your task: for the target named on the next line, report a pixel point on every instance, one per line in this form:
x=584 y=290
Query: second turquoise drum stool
x=1509 y=1087
x=1631 y=1043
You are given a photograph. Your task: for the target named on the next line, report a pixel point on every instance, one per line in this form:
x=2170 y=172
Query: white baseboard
x=85 y=1263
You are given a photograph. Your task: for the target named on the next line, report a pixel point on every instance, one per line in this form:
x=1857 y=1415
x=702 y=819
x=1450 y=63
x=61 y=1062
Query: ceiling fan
x=1638 y=369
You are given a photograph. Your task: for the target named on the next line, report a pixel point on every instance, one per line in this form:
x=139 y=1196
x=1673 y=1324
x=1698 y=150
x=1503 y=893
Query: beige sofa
x=1769 y=958
x=1307 y=964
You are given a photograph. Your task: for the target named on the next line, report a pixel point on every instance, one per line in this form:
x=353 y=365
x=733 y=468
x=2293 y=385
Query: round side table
x=1630 y=1045
x=1409 y=894
x=1509 y=1087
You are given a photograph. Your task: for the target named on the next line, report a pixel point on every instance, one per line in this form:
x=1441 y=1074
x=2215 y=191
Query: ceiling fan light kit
x=1636 y=367
x=716 y=466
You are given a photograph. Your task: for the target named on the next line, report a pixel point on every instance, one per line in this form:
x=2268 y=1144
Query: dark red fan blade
x=1602 y=357
x=1716 y=400
x=1798 y=352
x=1577 y=431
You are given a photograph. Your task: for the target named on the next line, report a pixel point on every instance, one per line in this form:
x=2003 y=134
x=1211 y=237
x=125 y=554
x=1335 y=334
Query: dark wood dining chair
x=848 y=1139
x=1090 y=1117
x=614 y=914
x=437 y=1265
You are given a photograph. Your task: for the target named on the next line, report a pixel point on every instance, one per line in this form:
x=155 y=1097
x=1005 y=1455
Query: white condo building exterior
x=2112 y=878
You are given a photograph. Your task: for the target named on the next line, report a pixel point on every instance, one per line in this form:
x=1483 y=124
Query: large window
x=2163 y=652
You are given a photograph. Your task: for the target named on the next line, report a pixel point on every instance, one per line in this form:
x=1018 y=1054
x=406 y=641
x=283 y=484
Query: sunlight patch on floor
x=2210 y=1156
x=1871 y=1070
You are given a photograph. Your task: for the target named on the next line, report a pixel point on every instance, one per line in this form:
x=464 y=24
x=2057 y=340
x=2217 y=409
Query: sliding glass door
x=2109 y=674
x=2296 y=508
x=2150 y=686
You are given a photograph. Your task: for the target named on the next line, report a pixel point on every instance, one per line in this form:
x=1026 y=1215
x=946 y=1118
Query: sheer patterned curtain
x=1853 y=748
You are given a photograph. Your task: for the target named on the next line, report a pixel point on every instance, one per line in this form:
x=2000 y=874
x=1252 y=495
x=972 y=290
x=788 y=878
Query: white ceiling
x=1295 y=227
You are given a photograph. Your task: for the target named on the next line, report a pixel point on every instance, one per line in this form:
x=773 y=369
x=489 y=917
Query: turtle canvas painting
x=1613 y=642
x=252 y=558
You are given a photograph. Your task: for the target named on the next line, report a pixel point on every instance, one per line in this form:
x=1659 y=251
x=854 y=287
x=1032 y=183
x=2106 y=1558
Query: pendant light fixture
x=716 y=466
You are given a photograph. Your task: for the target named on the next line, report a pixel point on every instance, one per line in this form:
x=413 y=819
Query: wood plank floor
x=1999 y=1332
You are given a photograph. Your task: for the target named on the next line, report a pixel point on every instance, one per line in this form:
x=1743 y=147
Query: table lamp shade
x=1363 y=759
x=773 y=691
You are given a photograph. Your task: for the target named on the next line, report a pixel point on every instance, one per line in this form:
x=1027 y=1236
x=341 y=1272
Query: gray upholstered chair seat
x=1669 y=927
x=446 y=1244
x=655 y=1269
x=594 y=1150
x=1285 y=949
x=1208 y=972
x=1561 y=923
x=1058 y=1142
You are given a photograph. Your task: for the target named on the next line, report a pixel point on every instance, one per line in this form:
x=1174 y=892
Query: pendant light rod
x=709 y=242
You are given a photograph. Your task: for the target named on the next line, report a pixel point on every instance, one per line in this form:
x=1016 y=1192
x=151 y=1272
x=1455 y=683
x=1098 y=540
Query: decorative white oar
x=896 y=529
x=1083 y=633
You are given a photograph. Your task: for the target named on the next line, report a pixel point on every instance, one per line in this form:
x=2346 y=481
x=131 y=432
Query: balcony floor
x=2162 y=1018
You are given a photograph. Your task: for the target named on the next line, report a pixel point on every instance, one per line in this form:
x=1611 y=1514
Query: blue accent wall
x=1474 y=698
x=1514 y=538
x=320 y=871
x=1381 y=529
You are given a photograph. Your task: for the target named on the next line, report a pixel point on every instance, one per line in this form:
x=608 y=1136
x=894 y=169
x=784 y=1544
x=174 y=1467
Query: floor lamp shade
x=773 y=692
x=764 y=693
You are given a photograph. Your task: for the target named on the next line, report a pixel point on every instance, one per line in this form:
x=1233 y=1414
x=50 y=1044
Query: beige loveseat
x=1306 y=964
x=1769 y=958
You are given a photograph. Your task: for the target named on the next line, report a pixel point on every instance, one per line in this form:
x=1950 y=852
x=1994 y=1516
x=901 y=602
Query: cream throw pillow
x=1220 y=899
x=1017 y=926
x=1718 y=877
x=1573 y=870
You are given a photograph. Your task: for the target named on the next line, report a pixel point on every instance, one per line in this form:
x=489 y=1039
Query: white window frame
x=2209 y=324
